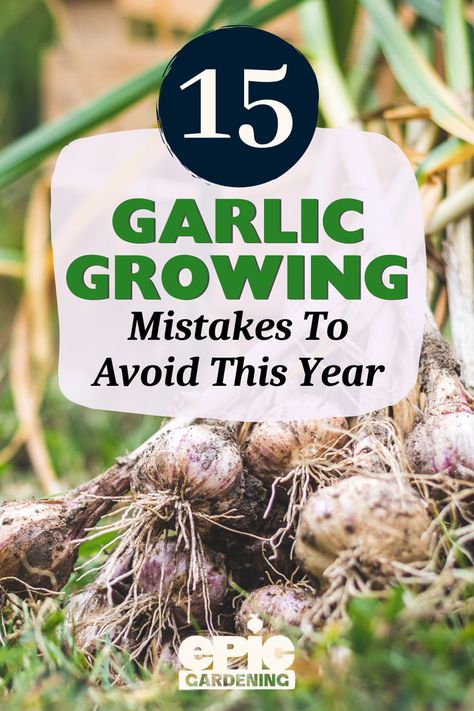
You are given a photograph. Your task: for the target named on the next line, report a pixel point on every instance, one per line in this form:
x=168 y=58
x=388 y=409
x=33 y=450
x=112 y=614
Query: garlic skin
x=39 y=538
x=443 y=440
x=108 y=611
x=199 y=462
x=165 y=573
x=275 y=448
x=168 y=660
x=443 y=443
x=276 y=605
x=84 y=615
x=36 y=544
x=378 y=517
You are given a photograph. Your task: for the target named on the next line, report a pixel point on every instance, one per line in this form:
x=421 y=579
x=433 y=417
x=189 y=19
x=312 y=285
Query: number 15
x=208 y=111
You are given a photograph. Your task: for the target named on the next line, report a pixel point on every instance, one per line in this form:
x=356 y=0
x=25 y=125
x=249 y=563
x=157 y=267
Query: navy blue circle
x=229 y=161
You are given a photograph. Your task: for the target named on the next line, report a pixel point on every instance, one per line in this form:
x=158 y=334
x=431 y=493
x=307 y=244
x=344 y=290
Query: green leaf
x=432 y=11
x=362 y=612
x=342 y=15
x=424 y=38
x=334 y=97
x=394 y=605
x=414 y=73
x=13 y=12
x=446 y=154
x=457 y=54
x=92 y=546
x=360 y=74
x=52 y=622
x=224 y=8
x=28 y=151
x=427 y=9
x=11 y=262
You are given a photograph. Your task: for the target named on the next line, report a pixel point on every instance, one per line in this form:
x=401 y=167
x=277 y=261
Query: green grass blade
x=457 y=54
x=424 y=38
x=335 y=100
x=415 y=75
x=221 y=10
x=451 y=152
x=259 y=16
x=12 y=12
x=452 y=208
x=28 y=151
x=12 y=263
x=429 y=10
x=342 y=16
x=362 y=70
x=432 y=11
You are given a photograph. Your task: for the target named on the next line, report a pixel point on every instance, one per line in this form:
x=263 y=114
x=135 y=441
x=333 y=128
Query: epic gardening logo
x=219 y=662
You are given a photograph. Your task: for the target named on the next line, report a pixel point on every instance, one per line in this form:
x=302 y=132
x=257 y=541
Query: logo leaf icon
x=255 y=624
